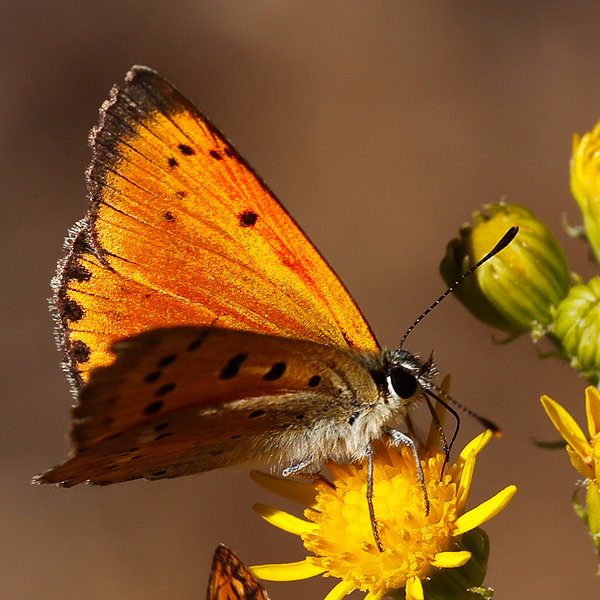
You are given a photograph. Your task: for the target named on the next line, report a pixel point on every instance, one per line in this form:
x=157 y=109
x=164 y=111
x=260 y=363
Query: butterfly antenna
x=446 y=399
x=507 y=238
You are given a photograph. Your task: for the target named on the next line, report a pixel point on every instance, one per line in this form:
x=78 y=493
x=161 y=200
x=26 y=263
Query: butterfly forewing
x=188 y=399
x=181 y=231
x=230 y=580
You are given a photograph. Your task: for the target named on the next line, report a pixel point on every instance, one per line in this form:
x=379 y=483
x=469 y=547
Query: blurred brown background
x=381 y=126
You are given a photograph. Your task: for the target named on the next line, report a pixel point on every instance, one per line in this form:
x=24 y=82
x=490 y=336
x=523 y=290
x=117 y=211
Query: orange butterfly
x=234 y=340
x=230 y=580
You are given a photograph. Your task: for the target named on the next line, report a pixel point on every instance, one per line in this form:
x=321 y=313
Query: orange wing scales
x=182 y=231
x=230 y=580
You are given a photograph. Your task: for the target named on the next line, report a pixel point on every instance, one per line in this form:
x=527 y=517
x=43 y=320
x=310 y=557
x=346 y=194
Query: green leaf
x=580 y=510
x=554 y=445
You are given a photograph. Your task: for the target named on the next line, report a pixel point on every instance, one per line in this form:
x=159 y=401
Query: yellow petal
x=283 y=520
x=374 y=595
x=575 y=142
x=343 y=588
x=592 y=410
x=451 y=560
x=465 y=481
x=579 y=463
x=286 y=571
x=476 y=445
x=596 y=461
x=485 y=511
x=414 y=589
x=290 y=489
x=592 y=503
x=566 y=425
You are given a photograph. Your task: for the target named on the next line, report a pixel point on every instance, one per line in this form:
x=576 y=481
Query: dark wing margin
x=145 y=92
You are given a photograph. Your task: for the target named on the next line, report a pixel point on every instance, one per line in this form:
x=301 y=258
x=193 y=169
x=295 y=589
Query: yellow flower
x=584 y=454
x=338 y=531
x=585 y=184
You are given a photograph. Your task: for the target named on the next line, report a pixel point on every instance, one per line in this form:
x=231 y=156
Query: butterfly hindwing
x=183 y=400
x=180 y=230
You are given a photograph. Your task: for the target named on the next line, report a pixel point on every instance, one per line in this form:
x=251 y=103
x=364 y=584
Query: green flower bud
x=517 y=290
x=577 y=326
x=585 y=184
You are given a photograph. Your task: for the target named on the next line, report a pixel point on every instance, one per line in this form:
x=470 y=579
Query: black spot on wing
x=72 y=311
x=161 y=426
x=181 y=194
x=172 y=162
x=163 y=435
x=166 y=360
x=314 y=381
x=152 y=377
x=78 y=272
x=154 y=407
x=164 y=389
x=215 y=155
x=196 y=343
x=248 y=218
x=169 y=216
x=276 y=371
x=187 y=150
x=257 y=413
x=80 y=352
x=233 y=366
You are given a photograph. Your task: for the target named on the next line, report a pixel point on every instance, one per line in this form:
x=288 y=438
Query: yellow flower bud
x=517 y=290
x=585 y=184
x=577 y=326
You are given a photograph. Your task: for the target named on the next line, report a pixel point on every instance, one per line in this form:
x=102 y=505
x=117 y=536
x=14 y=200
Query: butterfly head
x=407 y=375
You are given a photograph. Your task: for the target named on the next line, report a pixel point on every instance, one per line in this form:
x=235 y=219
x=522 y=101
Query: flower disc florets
x=415 y=543
x=343 y=541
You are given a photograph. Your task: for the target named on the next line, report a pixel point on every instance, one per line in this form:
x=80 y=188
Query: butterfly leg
x=296 y=471
x=398 y=439
x=370 y=498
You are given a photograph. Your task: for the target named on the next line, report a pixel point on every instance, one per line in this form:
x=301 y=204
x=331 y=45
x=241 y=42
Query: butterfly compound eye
x=404 y=384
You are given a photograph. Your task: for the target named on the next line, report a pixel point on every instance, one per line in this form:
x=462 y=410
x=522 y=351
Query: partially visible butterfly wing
x=182 y=231
x=230 y=580
x=184 y=400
